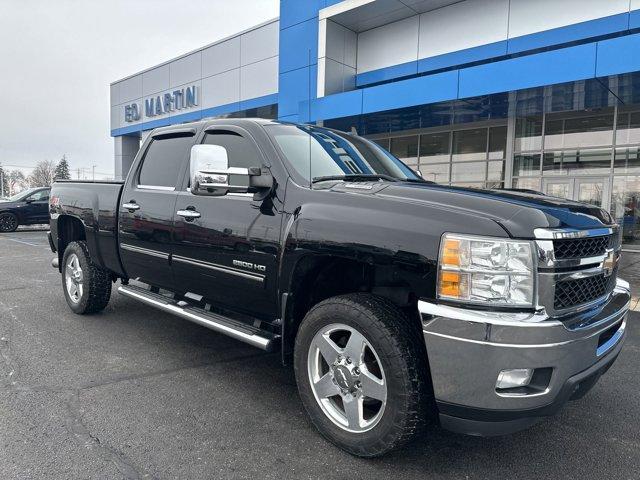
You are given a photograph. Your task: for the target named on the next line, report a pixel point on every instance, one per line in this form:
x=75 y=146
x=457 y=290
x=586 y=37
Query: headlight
x=486 y=270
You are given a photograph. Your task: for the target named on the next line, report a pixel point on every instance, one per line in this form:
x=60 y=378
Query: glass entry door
x=593 y=190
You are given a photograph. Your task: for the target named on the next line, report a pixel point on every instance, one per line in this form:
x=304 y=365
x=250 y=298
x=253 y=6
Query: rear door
x=229 y=254
x=37 y=210
x=147 y=205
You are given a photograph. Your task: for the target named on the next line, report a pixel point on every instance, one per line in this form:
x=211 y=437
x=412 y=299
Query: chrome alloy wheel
x=347 y=378
x=73 y=278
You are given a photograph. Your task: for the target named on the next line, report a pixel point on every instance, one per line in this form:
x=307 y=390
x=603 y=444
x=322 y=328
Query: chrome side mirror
x=210 y=174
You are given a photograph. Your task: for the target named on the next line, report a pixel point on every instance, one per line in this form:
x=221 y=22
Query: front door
x=229 y=253
x=146 y=209
x=592 y=190
x=37 y=210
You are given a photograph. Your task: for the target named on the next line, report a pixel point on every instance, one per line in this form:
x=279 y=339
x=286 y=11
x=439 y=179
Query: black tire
x=96 y=282
x=8 y=222
x=400 y=348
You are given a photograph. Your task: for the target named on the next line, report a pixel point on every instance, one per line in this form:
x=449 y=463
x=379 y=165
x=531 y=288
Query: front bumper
x=469 y=348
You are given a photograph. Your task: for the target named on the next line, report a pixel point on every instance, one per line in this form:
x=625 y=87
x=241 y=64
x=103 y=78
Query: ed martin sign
x=179 y=99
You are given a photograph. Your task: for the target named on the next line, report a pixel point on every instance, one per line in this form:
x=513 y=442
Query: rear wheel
x=8 y=222
x=362 y=373
x=87 y=288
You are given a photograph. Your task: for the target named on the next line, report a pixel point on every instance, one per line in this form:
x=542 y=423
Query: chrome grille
x=581 y=247
x=570 y=293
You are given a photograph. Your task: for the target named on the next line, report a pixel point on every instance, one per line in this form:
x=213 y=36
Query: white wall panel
x=186 y=69
x=115 y=116
x=221 y=57
x=529 y=16
x=463 y=25
x=259 y=44
x=130 y=89
x=390 y=44
x=156 y=80
x=221 y=89
x=114 y=94
x=634 y=5
x=259 y=79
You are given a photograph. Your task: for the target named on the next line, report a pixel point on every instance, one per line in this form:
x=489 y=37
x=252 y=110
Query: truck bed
x=95 y=204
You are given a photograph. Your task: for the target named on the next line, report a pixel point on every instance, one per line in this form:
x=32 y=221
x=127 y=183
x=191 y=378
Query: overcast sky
x=58 y=58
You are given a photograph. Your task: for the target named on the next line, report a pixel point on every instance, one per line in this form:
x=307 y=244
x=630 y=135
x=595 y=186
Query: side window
x=163 y=160
x=241 y=151
x=40 y=196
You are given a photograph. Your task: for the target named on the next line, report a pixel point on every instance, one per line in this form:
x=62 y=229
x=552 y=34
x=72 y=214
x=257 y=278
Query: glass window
x=41 y=196
x=525 y=165
x=405 y=148
x=562 y=131
x=625 y=208
x=435 y=173
x=527 y=183
x=627 y=160
x=497 y=143
x=590 y=192
x=469 y=172
x=332 y=153
x=435 y=147
x=383 y=142
x=241 y=152
x=628 y=131
x=163 y=160
x=468 y=184
x=528 y=133
x=470 y=145
x=560 y=190
x=577 y=162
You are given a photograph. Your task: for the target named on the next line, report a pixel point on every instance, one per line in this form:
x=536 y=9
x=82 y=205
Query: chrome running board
x=218 y=323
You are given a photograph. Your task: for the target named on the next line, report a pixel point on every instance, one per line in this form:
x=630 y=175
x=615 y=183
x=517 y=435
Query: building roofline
x=199 y=49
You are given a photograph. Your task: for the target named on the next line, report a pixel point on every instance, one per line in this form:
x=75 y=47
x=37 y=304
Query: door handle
x=132 y=206
x=189 y=215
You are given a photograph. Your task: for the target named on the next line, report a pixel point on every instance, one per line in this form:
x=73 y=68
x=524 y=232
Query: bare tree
x=17 y=181
x=42 y=175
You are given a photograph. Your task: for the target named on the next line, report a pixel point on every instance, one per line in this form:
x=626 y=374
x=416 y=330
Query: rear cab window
x=164 y=160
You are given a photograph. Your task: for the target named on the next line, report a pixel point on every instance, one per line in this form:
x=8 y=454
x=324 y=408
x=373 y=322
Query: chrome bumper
x=468 y=348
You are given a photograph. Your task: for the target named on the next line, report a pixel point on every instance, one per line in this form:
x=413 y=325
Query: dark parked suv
x=28 y=207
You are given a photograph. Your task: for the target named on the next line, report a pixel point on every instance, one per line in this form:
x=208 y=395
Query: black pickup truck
x=401 y=303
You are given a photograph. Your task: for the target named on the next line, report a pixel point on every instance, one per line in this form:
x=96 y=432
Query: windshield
x=22 y=194
x=316 y=152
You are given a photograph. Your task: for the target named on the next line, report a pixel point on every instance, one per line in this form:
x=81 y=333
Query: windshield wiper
x=356 y=177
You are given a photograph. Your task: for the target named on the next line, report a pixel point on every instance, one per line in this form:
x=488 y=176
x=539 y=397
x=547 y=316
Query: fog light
x=516 y=377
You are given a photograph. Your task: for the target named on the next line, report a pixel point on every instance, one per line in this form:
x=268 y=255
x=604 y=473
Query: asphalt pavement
x=135 y=393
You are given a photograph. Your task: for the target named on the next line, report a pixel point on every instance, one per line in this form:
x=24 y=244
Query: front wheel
x=87 y=288
x=8 y=222
x=362 y=374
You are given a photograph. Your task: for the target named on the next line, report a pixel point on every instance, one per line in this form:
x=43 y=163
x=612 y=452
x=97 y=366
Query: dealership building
x=530 y=94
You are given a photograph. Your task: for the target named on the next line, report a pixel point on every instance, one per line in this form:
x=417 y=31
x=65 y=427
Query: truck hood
x=519 y=213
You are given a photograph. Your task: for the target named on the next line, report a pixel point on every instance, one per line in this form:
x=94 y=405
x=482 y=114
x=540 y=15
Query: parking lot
x=135 y=393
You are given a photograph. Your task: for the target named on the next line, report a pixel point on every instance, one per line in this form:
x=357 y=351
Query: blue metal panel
x=335 y=106
x=618 y=55
x=416 y=91
x=294 y=88
x=389 y=73
x=259 y=102
x=634 y=19
x=462 y=57
x=298 y=44
x=557 y=66
x=293 y=12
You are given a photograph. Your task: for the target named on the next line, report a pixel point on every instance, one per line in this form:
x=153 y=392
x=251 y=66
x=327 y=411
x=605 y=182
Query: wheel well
x=318 y=278
x=70 y=229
